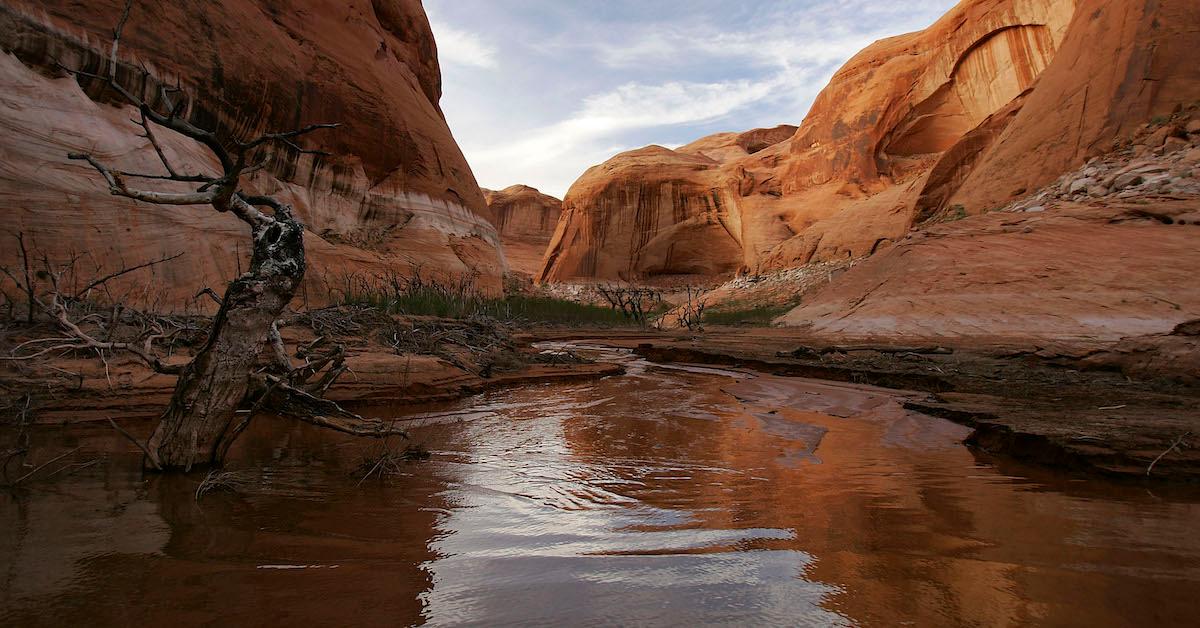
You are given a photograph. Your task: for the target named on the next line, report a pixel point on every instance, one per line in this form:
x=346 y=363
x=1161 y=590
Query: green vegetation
x=1160 y=120
x=955 y=212
x=459 y=300
x=514 y=308
x=746 y=316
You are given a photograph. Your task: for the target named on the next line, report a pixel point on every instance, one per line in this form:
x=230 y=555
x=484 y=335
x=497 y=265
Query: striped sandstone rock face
x=394 y=192
x=526 y=219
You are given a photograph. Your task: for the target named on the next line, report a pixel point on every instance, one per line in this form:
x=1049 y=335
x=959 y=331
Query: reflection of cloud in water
x=674 y=496
x=545 y=529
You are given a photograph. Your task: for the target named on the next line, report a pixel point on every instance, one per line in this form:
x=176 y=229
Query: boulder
x=1166 y=132
x=1081 y=185
x=1173 y=144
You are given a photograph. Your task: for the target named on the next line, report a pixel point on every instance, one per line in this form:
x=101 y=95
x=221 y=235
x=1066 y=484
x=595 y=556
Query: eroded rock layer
x=658 y=212
x=1106 y=252
x=997 y=98
x=526 y=219
x=396 y=190
x=1085 y=273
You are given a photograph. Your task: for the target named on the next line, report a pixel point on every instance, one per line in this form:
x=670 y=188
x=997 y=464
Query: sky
x=537 y=91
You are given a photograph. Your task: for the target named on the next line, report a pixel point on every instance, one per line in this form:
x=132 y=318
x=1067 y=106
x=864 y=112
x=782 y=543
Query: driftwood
x=76 y=339
x=1176 y=444
x=812 y=352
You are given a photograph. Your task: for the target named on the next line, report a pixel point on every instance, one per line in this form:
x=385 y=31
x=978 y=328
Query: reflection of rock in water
x=51 y=536
x=669 y=479
x=121 y=548
x=668 y=496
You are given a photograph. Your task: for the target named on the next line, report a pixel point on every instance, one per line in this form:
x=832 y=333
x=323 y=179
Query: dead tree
x=630 y=301
x=26 y=283
x=201 y=420
x=691 y=313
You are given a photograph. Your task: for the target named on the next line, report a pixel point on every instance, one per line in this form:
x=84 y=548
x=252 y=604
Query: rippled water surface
x=666 y=496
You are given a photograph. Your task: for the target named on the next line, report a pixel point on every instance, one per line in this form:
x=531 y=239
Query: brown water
x=664 y=497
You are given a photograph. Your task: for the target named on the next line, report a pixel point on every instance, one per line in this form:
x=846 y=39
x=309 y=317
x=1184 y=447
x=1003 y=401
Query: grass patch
x=442 y=302
x=747 y=317
x=956 y=212
x=551 y=311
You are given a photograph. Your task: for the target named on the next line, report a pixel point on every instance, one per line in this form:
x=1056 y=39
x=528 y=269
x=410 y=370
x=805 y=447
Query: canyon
x=982 y=109
x=844 y=183
x=922 y=136
x=930 y=356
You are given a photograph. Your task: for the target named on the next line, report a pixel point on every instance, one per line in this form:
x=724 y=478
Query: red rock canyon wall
x=526 y=219
x=842 y=185
x=395 y=192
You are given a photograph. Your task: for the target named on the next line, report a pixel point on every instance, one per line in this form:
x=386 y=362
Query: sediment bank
x=1037 y=408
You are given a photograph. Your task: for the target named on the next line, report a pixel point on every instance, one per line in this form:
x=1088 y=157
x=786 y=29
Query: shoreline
x=1069 y=418
x=1064 y=413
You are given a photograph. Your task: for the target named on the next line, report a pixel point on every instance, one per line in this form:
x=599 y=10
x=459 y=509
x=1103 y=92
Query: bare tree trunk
x=202 y=419
x=215 y=384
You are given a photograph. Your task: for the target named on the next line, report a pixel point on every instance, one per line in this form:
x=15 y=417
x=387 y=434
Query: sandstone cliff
x=1104 y=253
x=995 y=99
x=656 y=211
x=396 y=190
x=526 y=219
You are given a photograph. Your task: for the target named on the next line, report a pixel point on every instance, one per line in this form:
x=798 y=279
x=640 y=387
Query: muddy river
x=668 y=496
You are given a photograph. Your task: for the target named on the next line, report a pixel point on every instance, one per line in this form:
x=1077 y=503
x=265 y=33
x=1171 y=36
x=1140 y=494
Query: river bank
x=1066 y=407
x=1074 y=408
x=388 y=359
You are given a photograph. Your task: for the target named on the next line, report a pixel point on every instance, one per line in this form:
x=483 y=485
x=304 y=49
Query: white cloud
x=634 y=105
x=557 y=154
x=752 y=48
x=464 y=48
x=572 y=94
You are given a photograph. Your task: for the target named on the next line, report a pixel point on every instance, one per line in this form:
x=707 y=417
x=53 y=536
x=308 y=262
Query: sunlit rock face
x=1086 y=267
x=526 y=219
x=656 y=211
x=394 y=192
x=1120 y=65
x=997 y=97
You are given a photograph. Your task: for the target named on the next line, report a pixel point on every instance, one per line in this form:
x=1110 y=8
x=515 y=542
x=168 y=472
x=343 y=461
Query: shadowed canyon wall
x=995 y=99
x=395 y=190
x=526 y=219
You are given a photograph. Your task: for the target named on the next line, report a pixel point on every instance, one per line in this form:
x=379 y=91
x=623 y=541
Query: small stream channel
x=666 y=496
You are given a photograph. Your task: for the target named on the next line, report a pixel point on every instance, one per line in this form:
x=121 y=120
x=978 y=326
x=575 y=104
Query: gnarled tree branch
x=116 y=185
